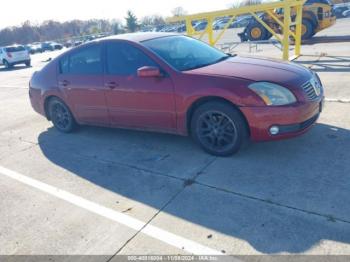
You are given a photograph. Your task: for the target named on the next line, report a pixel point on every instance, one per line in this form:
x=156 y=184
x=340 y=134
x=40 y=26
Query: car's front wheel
x=28 y=63
x=218 y=128
x=61 y=116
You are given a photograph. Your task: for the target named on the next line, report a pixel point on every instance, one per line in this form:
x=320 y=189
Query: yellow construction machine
x=317 y=15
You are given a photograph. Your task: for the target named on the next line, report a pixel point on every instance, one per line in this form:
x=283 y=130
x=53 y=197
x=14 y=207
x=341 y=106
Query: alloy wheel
x=60 y=116
x=216 y=131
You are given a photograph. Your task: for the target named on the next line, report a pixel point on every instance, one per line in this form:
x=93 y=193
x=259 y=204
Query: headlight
x=316 y=83
x=272 y=94
x=317 y=79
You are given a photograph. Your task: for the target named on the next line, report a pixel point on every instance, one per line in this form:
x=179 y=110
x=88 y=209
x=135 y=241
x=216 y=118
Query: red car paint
x=165 y=104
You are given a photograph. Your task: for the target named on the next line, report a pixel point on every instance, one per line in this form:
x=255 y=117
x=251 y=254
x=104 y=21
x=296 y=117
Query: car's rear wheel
x=61 y=116
x=7 y=64
x=218 y=128
x=28 y=64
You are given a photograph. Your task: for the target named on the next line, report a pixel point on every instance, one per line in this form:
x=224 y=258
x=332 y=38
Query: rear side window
x=86 y=61
x=125 y=59
x=15 y=49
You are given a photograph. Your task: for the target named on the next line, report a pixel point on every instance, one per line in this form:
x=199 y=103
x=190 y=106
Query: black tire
x=7 y=64
x=310 y=30
x=61 y=116
x=257 y=27
x=28 y=63
x=218 y=128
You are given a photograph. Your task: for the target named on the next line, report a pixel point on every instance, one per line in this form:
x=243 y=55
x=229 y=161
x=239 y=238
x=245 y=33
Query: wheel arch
x=46 y=105
x=203 y=100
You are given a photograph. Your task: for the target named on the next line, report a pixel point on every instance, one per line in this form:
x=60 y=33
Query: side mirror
x=148 y=71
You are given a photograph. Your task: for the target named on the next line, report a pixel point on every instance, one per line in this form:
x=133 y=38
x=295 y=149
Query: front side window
x=86 y=61
x=125 y=59
x=184 y=53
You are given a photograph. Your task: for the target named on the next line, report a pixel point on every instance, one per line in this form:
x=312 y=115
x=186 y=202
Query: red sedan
x=175 y=84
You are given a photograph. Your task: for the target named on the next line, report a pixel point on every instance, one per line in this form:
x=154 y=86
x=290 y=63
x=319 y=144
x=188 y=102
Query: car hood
x=258 y=69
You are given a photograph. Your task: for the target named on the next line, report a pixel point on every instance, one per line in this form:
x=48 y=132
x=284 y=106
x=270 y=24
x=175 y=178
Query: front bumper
x=291 y=120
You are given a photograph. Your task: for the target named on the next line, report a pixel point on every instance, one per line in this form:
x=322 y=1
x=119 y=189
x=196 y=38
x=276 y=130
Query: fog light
x=274 y=130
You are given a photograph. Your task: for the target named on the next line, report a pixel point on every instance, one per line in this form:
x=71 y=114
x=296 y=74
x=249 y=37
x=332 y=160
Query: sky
x=63 y=10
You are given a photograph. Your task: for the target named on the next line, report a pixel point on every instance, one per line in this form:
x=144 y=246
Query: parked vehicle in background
x=13 y=55
x=339 y=10
x=56 y=46
x=30 y=49
x=176 y=84
x=242 y=21
x=158 y=28
x=221 y=23
x=34 y=48
x=47 y=46
x=170 y=28
x=346 y=13
x=37 y=47
x=68 y=44
x=238 y=22
x=89 y=38
x=181 y=28
x=200 y=26
x=77 y=43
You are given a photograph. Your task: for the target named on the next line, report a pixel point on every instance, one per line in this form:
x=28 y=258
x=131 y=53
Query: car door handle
x=111 y=85
x=63 y=83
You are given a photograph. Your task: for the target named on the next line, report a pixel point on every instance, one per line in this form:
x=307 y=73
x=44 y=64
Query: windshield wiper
x=222 y=59
x=208 y=64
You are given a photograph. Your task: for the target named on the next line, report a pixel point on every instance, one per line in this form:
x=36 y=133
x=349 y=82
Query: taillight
x=9 y=55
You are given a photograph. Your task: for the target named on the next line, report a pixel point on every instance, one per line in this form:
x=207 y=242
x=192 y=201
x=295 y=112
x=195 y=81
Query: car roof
x=138 y=37
x=9 y=46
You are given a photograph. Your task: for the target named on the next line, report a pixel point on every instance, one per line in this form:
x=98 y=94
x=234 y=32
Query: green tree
x=131 y=22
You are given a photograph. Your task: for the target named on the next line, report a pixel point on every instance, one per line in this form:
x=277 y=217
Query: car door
x=81 y=78
x=133 y=101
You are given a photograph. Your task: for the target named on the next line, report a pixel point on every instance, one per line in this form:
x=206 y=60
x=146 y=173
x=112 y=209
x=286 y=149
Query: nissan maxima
x=176 y=84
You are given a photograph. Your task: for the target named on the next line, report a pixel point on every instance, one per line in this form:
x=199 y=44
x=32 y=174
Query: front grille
x=312 y=90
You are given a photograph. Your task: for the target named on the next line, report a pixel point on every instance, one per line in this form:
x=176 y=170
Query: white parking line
x=152 y=231
x=337 y=100
x=14 y=87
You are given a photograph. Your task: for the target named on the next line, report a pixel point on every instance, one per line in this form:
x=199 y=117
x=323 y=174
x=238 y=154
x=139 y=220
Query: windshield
x=185 y=53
